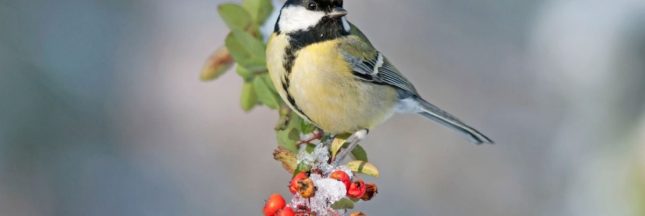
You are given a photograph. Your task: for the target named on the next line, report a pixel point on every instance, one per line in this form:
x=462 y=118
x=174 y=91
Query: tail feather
x=435 y=113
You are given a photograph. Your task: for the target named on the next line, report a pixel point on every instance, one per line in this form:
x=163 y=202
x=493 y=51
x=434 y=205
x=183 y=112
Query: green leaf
x=265 y=93
x=248 y=99
x=246 y=74
x=285 y=116
x=359 y=153
x=235 y=16
x=301 y=168
x=247 y=50
x=363 y=167
x=339 y=142
x=343 y=204
x=267 y=79
x=306 y=127
x=285 y=141
x=310 y=148
x=296 y=120
x=289 y=135
x=260 y=10
x=294 y=134
x=336 y=145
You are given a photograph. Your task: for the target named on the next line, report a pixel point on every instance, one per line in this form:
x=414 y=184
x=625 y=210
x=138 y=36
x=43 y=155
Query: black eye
x=312 y=6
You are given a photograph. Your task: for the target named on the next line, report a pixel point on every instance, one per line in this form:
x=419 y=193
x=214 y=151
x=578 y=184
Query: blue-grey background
x=102 y=111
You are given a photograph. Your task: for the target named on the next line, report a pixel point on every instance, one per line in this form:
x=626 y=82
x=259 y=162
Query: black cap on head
x=316 y=5
x=306 y=15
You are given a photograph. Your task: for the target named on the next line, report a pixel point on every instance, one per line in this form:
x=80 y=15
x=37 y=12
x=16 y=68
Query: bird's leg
x=353 y=140
x=316 y=135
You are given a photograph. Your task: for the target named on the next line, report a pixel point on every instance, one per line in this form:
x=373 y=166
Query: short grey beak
x=337 y=12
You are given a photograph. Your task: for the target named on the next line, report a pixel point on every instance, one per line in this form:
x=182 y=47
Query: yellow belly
x=328 y=94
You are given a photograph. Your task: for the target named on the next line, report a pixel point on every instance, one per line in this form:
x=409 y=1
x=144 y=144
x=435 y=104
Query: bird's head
x=306 y=15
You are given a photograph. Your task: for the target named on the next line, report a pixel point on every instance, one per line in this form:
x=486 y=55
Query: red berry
x=357 y=189
x=293 y=185
x=341 y=176
x=287 y=211
x=274 y=204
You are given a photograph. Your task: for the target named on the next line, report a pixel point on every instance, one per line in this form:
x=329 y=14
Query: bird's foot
x=353 y=141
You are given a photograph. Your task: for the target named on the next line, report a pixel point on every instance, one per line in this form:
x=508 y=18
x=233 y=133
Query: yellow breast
x=323 y=87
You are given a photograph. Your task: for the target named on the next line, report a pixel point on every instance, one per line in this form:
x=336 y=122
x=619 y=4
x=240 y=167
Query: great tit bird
x=329 y=73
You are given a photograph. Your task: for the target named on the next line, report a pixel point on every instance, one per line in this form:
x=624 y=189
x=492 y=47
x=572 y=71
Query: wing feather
x=370 y=65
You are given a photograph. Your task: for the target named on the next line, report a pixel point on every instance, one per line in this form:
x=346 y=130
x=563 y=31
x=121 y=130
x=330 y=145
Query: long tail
x=435 y=113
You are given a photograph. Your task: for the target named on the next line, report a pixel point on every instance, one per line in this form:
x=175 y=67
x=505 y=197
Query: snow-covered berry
x=341 y=176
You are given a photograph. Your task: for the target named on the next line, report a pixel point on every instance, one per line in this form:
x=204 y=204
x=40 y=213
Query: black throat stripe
x=327 y=29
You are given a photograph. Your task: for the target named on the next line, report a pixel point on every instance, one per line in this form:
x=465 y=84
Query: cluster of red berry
x=303 y=186
x=276 y=206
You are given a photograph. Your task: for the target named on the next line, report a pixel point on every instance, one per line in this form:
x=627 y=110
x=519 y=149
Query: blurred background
x=102 y=111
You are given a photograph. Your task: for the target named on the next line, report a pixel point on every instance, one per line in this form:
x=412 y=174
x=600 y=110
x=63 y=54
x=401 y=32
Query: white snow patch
x=328 y=192
x=318 y=159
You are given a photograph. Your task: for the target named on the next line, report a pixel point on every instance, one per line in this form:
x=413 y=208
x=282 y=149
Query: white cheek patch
x=295 y=18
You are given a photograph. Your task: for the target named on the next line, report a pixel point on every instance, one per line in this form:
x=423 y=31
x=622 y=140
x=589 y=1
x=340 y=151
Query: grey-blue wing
x=370 y=65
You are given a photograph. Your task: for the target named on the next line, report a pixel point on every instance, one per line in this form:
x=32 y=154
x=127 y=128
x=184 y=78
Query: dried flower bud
x=306 y=188
x=370 y=191
x=287 y=158
x=217 y=64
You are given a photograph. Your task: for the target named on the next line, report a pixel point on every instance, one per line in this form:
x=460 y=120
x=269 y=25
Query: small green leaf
x=310 y=148
x=285 y=116
x=265 y=93
x=296 y=120
x=260 y=10
x=359 y=153
x=286 y=142
x=339 y=142
x=288 y=135
x=301 y=168
x=248 y=99
x=235 y=16
x=363 y=167
x=247 y=50
x=336 y=145
x=343 y=204
x=306 y=127
x=246 y=74
x=294 y=134
x=267 y=79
